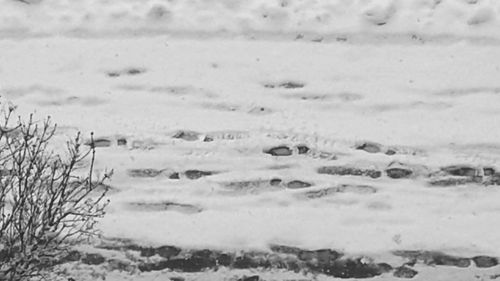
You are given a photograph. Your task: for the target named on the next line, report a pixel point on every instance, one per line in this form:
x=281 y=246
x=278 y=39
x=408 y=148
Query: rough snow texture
x=476 y=18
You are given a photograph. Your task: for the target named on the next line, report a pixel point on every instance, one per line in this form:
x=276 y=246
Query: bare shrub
x=46 y=203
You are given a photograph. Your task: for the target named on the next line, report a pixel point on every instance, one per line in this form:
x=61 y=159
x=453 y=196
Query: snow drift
x=475 y=18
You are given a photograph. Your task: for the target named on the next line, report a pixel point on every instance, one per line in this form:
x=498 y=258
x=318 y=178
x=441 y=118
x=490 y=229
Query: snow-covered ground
x=474 y=18
x=206 y=88
x=440 y=102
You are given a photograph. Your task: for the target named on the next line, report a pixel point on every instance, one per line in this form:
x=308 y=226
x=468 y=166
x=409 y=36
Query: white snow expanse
x=421 y=78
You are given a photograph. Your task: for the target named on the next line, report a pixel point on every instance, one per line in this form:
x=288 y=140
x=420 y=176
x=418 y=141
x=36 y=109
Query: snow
x=60 y=76
x=418 y=76
x=442 y=94
x=98 y=17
